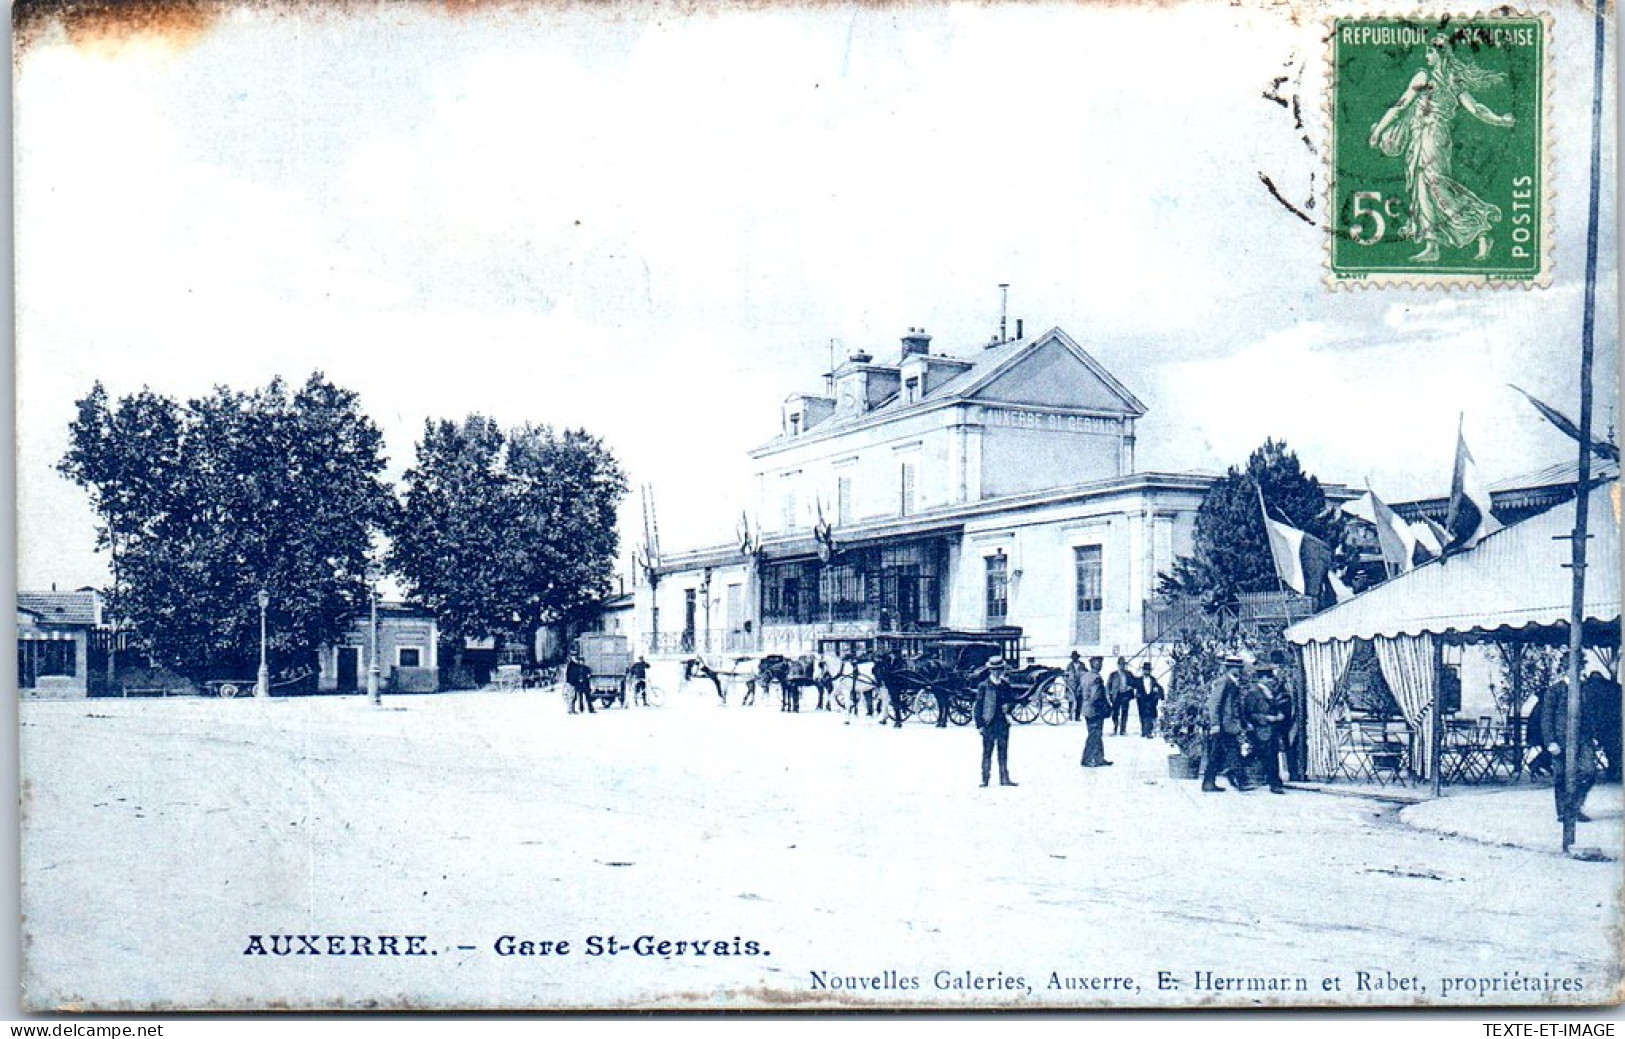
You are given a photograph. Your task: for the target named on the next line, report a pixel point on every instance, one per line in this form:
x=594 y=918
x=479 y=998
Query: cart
x=607 y=657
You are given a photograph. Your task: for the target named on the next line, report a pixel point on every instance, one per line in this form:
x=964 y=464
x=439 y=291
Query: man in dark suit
x=1261 y=722
x=1554 y=707
x=1224 y=724
x=1122 y=689
x=579 y=678
x=992 y=703
x=1096 y=706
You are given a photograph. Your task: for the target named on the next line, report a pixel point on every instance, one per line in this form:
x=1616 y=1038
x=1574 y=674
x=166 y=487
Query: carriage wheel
x=656 y=696
x=925 y=707
x=227 y=690
x=1025 y=712
x=1054 y=708
x=959 y=712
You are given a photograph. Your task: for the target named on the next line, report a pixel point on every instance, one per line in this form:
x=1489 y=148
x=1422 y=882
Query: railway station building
x=929 y=491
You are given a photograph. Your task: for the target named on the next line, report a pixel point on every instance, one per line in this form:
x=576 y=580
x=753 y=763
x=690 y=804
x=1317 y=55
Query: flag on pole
x=1394 y=536
x=1601 y=448
x=1469 y=520
x=1430 y=537
x=1302 y=561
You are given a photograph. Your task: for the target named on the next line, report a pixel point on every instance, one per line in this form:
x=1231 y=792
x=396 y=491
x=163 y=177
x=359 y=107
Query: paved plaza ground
x=161 y=836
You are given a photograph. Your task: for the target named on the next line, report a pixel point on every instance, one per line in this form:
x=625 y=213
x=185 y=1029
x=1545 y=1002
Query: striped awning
x=1515 y=579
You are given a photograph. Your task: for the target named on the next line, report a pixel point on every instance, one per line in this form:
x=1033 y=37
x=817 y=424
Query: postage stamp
x=1439 y=151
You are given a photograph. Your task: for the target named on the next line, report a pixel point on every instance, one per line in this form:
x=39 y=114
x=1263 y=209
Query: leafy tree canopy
x=502 y=532
x=1231 y=551
x=202 y=504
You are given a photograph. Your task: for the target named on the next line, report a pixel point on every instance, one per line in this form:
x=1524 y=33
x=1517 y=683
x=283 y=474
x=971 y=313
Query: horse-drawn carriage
x=937 y=671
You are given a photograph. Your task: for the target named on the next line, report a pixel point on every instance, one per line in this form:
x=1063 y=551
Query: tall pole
x=262 y=684
x=1582 y=498
x=372 y=653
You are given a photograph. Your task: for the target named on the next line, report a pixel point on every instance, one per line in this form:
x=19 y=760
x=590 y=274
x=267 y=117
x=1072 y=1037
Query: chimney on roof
x=916 y=342
x=1018 y=328
x=860 y=356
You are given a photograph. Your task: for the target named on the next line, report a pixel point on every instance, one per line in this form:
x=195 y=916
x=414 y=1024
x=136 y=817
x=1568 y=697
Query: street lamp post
x=372 y=653
x=262 y=685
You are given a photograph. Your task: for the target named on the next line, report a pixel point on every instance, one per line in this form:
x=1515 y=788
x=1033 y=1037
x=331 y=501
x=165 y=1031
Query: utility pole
x=1582 y=498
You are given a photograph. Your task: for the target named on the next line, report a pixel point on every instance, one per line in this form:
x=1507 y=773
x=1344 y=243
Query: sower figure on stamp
x=1096 y=707
x=1224 y=725
x=1122 y=689
x=1554 y=708
x=1262 y=726
x=1150 y=696
x=1075 y=672
x=1419 y=127
x=992 y=703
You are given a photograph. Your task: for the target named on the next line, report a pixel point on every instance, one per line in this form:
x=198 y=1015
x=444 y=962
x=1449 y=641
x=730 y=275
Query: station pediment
x=1054 y=372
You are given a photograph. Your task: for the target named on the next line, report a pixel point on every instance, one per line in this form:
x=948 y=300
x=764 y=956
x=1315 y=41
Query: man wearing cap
x=992 y=701
x=1224 y=724
x=1096 y=707
x=1122 y=689
x=1150 y=696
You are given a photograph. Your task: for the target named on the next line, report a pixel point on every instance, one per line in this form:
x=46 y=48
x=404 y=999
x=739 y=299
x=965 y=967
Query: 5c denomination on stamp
x=1439 y=151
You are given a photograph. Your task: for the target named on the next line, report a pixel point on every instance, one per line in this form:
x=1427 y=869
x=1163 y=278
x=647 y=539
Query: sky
x=653 y=223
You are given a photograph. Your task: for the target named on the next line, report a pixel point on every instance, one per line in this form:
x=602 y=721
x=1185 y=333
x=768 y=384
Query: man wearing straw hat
x=992 y=702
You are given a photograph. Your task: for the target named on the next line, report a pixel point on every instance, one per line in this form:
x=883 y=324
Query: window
x=843 y=499
x=1090 y=594
x=790 y=509
x=998 y=589
x=905 y=504
x=39 y=658
x=409 y=656
x=911 y=389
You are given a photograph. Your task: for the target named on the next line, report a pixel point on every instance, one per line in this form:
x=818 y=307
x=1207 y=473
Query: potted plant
x=1184 y=712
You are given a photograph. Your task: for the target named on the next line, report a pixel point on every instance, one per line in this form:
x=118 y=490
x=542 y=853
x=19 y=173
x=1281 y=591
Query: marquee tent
x=1513 y=585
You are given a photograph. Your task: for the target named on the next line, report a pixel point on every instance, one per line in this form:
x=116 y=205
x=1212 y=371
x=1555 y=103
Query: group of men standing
x=1247 y=722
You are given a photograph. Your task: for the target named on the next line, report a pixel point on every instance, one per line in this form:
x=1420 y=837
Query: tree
x=1231 y=551
x=502 y=533
x=203 y=504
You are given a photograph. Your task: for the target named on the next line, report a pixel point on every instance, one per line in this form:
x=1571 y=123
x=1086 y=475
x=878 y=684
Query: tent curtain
x=1323 y=667
x=1407 y=667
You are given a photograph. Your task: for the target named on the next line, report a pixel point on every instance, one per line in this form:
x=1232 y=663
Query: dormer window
x=795 y=425
x=911 y=389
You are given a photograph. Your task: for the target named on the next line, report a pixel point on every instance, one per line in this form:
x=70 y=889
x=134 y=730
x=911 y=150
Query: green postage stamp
x=1439 y=152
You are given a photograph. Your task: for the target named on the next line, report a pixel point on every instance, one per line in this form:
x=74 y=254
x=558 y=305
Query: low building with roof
x=53 y=642
x=408 y=653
